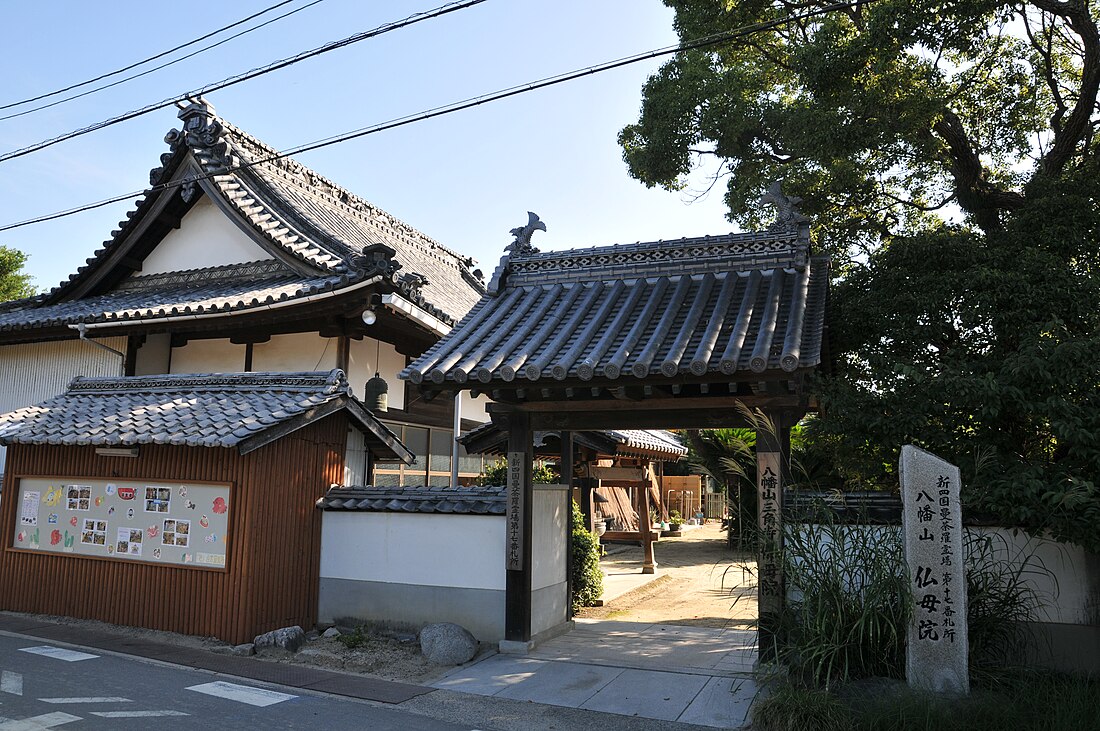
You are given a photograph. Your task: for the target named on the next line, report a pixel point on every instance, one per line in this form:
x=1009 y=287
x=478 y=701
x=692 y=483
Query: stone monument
x=931 y=519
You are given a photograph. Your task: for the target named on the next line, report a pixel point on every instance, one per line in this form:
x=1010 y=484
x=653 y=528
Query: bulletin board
x=148 y=521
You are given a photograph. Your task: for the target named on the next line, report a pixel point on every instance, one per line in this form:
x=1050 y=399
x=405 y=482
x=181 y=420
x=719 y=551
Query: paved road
x=45 y=686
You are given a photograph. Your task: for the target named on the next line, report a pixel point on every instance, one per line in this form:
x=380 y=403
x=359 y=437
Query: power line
x=232 y=80
x=162 y=54
x=165 y=65
x=711 y=40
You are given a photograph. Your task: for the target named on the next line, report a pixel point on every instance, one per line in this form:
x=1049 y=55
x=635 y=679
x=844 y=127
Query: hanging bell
x=377 y=396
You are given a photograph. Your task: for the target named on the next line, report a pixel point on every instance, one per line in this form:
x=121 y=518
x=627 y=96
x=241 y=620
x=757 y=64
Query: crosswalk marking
x=136 y=714
x=11 y=682
x=37 y=723
x=242 y=693
x=98 y=699
x=58 y=653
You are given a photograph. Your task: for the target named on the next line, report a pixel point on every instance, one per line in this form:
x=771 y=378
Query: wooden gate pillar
x=565 y=466
x=517 y=609
x=772 y=453
x=645 y=528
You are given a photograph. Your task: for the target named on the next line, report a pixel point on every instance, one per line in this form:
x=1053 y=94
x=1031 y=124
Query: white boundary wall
x=1066 y=581
x=413 y=569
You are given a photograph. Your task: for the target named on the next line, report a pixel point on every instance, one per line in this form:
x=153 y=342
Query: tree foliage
x=877 y=114
x=14 y=283
x=947 y=157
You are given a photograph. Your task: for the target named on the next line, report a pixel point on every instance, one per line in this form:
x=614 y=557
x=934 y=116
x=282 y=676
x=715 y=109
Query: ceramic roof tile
x=233 y=287
x=203 y=409
x=723 y=305
x=462 y=500
x=489 y=438
x=329 y=236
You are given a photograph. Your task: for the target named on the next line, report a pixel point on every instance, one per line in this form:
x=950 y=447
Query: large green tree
x=947 y=158
x=876 y=114
x=14 y=282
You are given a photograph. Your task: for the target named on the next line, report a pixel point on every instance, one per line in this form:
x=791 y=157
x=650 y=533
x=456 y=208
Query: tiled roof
x=491 y=439
x=463 y=500
x=210 y=410
x=655 y=440
x=317 y=229
x=199 y=291
x=728 y=306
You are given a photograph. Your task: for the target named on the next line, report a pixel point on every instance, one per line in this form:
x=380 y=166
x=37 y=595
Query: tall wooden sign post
x=517 y=612
x=769 y=485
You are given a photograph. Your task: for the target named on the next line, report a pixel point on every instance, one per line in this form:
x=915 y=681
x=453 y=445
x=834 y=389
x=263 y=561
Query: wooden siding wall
x=273 y=557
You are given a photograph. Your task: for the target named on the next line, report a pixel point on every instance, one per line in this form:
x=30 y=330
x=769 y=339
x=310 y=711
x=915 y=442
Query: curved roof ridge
x=338 y=193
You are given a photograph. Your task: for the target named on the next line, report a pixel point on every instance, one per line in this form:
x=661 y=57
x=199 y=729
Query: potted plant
x=675 y=521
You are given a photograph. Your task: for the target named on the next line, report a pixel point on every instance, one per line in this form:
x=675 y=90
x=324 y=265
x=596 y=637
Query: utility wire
x=260 y=71
x=707 y=41
x=165 y=65
x=162 y=54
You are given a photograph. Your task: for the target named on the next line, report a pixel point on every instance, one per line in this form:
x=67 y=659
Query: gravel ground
x=701 y=582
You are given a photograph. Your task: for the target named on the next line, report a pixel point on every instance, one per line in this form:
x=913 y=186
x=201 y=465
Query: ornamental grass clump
x=849 y=602
x=1001 y=599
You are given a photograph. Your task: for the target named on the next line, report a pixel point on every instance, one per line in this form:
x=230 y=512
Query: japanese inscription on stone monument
x=514 y=535
x=936 y=658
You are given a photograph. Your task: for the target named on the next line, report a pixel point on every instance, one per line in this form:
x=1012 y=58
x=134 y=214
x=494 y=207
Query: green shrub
x=849 y=601
x=1017 y=699
x=999 y=600
x=789 y=707
x=587 y=580
x=849 y=604
x=353 y=639
x=496 y=474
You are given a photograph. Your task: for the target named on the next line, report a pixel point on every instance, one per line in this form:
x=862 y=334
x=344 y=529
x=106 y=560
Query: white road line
x=136 y=714
x=37 y=723
x=242 y=693
x=11 y=682
x=58 y=653
x=102 y=699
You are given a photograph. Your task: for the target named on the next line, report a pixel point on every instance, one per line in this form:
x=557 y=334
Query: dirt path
x=700 y=582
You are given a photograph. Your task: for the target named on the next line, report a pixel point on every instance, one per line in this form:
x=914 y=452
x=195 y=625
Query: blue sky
x=464 y=179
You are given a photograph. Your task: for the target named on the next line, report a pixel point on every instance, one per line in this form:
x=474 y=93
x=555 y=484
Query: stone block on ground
x=244 y=650
x=447 y=644
x=331 y=632
x=286 y=638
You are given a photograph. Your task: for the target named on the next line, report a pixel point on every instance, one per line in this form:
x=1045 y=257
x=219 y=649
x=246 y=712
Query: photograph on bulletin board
x=155 y=522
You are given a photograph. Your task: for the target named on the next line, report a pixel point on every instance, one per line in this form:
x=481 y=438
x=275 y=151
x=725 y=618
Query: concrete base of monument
x=517 y=647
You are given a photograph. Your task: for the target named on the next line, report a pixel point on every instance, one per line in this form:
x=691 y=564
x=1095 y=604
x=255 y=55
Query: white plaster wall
x=362 y=355
x=548 y=540
x=205 y=238
x=1064 y=577
x=295 y=352
x=474 y=408
x=464 y=551
x=153 y=357
x=208 y=356
x=34 y=372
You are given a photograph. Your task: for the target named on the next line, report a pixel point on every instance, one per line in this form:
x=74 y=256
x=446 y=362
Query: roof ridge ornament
x=787 y=213
x=522 y=245
x=202 y=131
